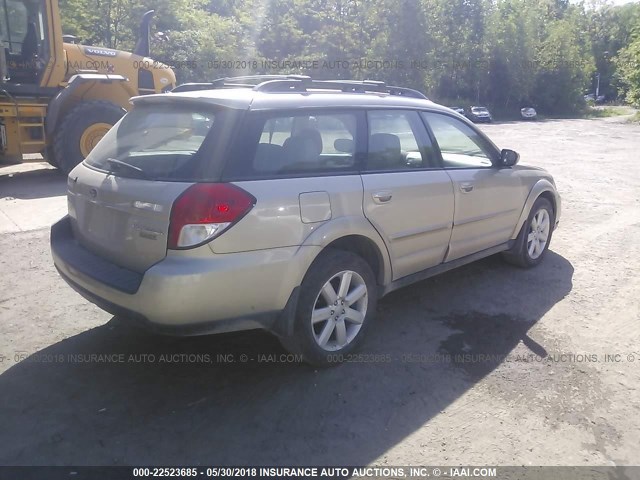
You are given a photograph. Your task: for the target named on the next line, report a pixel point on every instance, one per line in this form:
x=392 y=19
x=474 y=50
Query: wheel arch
x=551 y=197
x=364 y=248
x=82 y=87
x=545 y=189
x=358 y=236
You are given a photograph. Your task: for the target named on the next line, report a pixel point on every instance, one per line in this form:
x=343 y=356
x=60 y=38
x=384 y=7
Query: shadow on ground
x=60 y=407
x=31 y=184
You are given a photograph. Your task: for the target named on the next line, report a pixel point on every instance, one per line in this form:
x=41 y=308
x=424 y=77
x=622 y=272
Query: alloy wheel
x=339 y=310
x=538 y=233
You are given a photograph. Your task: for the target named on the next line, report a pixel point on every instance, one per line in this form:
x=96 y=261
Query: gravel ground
x=484 y=365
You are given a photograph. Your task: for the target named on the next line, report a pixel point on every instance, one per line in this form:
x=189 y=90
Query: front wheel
x=337 y=302
x=535 y=236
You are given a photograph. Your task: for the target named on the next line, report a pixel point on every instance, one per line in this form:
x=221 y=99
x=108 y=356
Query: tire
x=325 y=343
x=86 y=118
x=50 y=157
x=533 y=233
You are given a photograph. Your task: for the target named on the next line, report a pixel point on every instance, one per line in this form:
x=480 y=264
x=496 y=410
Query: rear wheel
x=336 y=305
x=80 y=131
x=535 y=236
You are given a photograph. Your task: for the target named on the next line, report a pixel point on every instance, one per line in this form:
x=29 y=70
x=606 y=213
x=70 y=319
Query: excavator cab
x=24 y=41
x=59 y=97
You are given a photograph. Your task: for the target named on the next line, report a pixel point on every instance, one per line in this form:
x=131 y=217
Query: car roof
x=250 y=99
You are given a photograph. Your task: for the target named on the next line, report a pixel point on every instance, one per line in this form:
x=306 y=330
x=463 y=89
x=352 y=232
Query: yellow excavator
x=59 y=97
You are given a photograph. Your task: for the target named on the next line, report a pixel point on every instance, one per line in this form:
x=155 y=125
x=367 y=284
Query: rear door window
x=159 y=142
x=297 y=144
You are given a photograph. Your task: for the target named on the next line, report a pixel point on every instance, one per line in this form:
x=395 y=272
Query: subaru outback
x=291 y=205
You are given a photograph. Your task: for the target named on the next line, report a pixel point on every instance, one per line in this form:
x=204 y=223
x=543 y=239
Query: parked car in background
x=528 y=113
x=290 y=205
x=591 y=98
x=479 y=114
x=459 y=110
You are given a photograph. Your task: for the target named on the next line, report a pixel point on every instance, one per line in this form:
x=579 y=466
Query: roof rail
x=190 y=87
x=300 y=83
x=247 y=81
x=353 y=86
x=407 y=92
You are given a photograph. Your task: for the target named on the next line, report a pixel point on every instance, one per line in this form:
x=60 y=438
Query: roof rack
x=300 y=83
x=247 y=81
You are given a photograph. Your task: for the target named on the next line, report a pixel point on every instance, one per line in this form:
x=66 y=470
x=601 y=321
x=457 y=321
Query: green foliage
x=628 y=63
x=604 y=112
x=502 y=53
x=565 y=69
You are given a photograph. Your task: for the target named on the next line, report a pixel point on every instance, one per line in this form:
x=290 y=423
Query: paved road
x=484 y=365
x=32 y=196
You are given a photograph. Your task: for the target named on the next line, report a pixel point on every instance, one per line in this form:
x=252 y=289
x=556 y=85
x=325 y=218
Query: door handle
x=466 y=187
x=382 y=197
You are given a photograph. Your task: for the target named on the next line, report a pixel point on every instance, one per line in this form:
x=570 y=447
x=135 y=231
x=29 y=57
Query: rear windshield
x=157 y=142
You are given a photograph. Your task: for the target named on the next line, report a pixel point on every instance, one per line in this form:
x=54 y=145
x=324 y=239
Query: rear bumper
x=80 y=260
x=187 y=293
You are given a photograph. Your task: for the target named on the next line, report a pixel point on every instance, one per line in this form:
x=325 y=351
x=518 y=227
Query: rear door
x=407 y=196
x=120 y=197
x=488 y=199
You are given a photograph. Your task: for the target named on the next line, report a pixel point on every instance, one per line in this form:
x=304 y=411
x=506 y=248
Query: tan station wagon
x=291 y=205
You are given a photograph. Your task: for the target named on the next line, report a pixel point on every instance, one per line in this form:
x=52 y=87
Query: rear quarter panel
x=276 y=221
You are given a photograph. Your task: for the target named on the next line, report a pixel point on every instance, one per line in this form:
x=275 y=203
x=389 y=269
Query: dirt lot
x=484 y=365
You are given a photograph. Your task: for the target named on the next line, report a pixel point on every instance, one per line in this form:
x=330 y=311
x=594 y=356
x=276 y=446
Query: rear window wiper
x=116 y=164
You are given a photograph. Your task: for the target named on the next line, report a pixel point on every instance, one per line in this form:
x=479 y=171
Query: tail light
x=204 y=211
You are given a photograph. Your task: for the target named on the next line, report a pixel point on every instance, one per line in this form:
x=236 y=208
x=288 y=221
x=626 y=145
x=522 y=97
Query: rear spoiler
x=171 y=99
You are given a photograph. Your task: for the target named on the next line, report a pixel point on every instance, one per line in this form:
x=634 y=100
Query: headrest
x=383 y=143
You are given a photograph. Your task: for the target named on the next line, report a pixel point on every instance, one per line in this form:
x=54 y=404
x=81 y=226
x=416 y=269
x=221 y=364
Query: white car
x=528 y=113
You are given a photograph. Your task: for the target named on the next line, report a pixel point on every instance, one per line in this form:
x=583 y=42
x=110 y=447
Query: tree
x=513 y=46
x=564 y=69
x=610 y=29
x=504 y=53
x=628 y=65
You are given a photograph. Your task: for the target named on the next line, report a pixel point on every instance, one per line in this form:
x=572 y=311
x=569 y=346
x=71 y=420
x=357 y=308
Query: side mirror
x=508 y=158
x=414 y=160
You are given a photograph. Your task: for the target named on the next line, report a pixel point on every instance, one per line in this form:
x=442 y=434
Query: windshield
x=158 y=142
x=479 y=110
x=22 y=27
